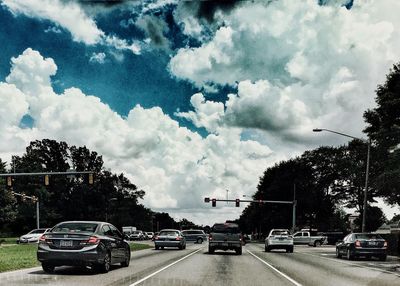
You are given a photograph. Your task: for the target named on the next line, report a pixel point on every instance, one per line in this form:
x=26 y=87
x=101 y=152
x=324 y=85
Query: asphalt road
x=194 y=266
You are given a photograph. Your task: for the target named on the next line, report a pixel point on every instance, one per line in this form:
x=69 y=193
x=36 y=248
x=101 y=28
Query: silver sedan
x=170 y=238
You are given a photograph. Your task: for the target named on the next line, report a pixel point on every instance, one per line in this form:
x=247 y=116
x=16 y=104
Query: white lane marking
x=165 y=267
x=352 y=264
x=273 y=268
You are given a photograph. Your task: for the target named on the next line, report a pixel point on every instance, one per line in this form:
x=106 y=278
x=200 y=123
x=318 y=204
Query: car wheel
x=48 y=268
x=317 y=243
x=289 y=249
x=239 y=251
x=211 y=250
x=106 y=265
x=267 y=249
x=338 y=255
x=199 y=240
x=162 y=247
x=127 y=260
x=382 y=258
x=180 y=247
x=156 y=247
x=349 y=256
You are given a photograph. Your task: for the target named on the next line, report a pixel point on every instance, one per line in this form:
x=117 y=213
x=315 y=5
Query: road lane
x=309 y=268
x=143 y=263
x=219 y=269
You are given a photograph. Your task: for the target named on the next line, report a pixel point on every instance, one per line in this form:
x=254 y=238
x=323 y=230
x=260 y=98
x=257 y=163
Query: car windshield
x=280 y=232
x=169 y=233
x=225 y=228
x=35 y=231
x=76 y=227
x=367 y=236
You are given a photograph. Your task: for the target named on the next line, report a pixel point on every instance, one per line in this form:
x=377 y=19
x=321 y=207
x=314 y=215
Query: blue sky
x=191 y=98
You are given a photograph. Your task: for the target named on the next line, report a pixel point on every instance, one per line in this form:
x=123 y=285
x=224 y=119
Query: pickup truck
x=305 y=237
x=225 y=236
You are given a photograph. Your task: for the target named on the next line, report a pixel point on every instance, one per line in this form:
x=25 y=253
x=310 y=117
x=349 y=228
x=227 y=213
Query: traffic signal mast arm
x=251 y=201
x=44 y=173
x=32 y=198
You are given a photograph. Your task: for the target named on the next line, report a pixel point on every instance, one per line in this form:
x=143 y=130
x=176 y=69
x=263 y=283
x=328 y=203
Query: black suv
x=225 y=236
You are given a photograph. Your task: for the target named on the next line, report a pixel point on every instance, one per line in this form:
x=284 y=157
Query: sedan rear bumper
x=166 y=243
x=370 y=251
x=70 y=258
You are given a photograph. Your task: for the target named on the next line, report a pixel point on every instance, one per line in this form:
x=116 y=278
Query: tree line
x=112 y=197
x=328 y=179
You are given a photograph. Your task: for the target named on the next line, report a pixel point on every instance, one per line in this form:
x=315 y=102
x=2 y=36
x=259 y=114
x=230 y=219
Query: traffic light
x=237 y=201
x=206 y=200
x=90 y=179
x=46 y=180
x=213 y=203
x=9 y=181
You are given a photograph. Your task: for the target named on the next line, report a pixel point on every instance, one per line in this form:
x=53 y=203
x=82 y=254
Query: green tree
x=7 y=201
x=383 y=127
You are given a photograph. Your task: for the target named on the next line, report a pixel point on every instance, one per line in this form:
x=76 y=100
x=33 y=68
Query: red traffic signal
x=237 y=201
x=214 y=203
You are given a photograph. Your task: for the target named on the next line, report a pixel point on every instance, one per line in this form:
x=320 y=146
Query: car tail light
x=357 y=243
x=178 y=238
x=93 y=240
x=42 y=239
x=210 y=237
x=385 y=244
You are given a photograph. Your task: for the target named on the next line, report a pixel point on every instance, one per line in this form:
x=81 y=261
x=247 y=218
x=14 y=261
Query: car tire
x=211 y=250
x=48 y=268
x=289 y=249
x=199 y=240
x=162 y=247
x=338 y=255
x=127 y=260
x=349 y=256
x=106 y=265
x=180 y=247
x=267 y=249
x=317 y=243
x=156 y=247
x=382 y=258
x=239 y=251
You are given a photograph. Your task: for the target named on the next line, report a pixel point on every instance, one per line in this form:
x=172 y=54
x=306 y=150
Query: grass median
x=19 y=256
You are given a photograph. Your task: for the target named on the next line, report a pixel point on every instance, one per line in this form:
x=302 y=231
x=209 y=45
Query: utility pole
x=294 y=209
x=37 y=214
x=364 y=216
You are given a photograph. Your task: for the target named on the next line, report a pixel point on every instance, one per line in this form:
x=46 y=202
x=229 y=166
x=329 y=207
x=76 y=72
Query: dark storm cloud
x=154 y=27
x=207 y=9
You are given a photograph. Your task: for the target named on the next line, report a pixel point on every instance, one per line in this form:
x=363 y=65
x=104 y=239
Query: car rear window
x=280 y=232
x=225 y=228
x=169 y=233
x=76 y=227
x=367 y=236
x=38 y=231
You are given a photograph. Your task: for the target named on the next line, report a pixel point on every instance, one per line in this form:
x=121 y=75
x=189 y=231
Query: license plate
x=224 y=244
x=66 y=243
x=372 y=243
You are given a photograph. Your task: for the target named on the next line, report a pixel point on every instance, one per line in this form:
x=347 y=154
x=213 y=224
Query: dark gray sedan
x=83 y=243
x=169 y=238
x=362 y=244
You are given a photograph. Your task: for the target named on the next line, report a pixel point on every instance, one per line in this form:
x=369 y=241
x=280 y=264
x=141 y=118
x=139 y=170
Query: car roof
x=169 y=229
x=83 y=221
x=279 y=229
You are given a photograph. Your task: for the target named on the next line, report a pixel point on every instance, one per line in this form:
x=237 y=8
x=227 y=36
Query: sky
x=192 y=98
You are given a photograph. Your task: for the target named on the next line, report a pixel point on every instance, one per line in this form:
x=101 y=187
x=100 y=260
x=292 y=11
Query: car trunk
x=67 y=240
x=371 y=243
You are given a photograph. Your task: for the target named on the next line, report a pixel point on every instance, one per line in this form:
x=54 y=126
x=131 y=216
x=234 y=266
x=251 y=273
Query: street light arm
x=339 y=133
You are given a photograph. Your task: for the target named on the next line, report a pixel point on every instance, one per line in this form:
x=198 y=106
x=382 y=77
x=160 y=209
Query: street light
x=368 y=142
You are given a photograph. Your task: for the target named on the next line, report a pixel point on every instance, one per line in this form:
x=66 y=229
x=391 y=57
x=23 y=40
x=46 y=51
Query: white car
x=150 y=235
x=279 y=239
x=33 y=236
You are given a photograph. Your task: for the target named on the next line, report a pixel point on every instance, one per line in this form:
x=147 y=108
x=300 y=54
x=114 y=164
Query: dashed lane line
x=165 y=267
x=276 y=270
